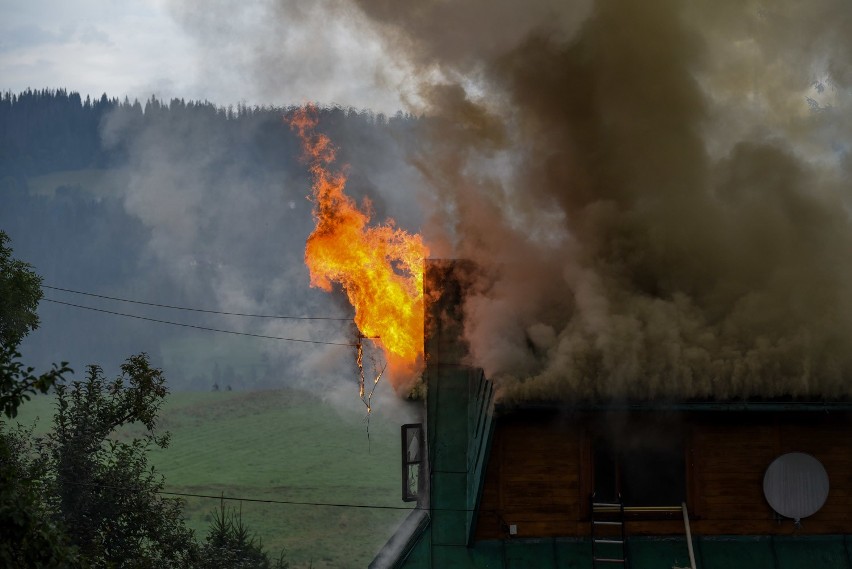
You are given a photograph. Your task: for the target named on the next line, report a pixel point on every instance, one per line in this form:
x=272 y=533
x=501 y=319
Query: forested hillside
x=50 y=130
x=151 y=201
x=46 y=131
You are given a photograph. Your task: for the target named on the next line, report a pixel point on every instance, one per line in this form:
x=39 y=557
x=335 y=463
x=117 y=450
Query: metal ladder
x=609 y=540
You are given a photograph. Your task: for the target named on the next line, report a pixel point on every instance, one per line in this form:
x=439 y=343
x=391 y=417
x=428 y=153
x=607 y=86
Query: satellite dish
x=796 y=485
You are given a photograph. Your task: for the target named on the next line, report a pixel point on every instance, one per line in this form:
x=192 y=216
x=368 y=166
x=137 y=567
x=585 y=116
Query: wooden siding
x=539 y=475
x=729 y=461
x=534 y=479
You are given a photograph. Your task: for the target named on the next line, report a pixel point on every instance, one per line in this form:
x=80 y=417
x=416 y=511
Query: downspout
x=688 y=535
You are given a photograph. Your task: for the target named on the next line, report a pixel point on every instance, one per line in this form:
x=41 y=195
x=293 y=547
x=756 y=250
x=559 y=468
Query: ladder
x=609 y=540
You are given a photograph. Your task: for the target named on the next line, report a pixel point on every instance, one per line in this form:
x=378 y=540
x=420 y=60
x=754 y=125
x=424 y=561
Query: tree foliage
x=231 y=545
x=20 y=292
x=105 y=493
x=82 y=497
x=50 y=130
x=85 y=495
x=30 y=539
x=17 y=381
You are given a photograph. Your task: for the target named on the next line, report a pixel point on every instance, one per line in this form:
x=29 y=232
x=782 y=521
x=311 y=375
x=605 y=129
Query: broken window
x=643 y=462
x=412 y=461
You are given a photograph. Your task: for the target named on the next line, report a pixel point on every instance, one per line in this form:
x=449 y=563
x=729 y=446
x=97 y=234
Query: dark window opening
x=606 y=473
x=653 y=477
x=644 y=465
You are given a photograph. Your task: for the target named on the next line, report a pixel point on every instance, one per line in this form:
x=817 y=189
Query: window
x=412 y=461
x=644 y=463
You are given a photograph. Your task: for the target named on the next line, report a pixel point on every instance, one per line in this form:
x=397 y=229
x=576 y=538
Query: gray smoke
x=288 y=52
x=657 y=192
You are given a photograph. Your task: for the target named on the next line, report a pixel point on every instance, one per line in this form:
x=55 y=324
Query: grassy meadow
x=280 y=445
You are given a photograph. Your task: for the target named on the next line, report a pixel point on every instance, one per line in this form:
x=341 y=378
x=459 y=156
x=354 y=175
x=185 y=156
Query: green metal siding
x=664 y=552
x=534 y=554
x=573 y=554
x=734 y=552
x=480 y=434
x=823 y=552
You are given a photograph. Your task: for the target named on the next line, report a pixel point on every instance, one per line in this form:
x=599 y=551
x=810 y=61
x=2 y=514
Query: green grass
x=281 y=445
x=195 y=354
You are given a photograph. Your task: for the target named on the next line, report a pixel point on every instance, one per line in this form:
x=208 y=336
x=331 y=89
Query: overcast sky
x=225 y=51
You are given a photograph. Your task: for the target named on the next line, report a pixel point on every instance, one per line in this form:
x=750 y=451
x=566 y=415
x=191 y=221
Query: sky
x=266 y=52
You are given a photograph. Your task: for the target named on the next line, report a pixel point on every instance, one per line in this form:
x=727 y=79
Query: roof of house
x=705 y=405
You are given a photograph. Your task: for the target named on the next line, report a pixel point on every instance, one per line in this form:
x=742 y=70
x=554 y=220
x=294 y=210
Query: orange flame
x=380 y=268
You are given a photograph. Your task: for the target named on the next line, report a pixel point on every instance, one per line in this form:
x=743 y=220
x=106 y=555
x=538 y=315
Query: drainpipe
x=688 y=535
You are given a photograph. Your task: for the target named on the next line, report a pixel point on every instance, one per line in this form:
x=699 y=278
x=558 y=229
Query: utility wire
x=271 y=501
x=487 y=511
x=242 y=499
x=195 y=309
x=199 y=327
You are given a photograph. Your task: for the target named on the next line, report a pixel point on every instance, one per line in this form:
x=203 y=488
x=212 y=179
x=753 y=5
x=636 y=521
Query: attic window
x=412 y=461
x=654 y=476
x=645 y=464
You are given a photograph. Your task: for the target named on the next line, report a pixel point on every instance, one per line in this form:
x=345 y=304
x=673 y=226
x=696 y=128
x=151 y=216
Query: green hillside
x=281 y=445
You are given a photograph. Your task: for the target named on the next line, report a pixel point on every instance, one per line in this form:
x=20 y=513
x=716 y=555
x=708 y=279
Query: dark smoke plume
x=657 y=192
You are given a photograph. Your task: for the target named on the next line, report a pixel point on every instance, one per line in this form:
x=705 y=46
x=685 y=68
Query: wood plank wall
x=729 y=462
x=534 y=479
x=540 y=473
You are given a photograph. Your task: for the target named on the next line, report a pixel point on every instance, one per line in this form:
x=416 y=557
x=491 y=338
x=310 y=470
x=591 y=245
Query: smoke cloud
x=289 y=52
x=656 y=193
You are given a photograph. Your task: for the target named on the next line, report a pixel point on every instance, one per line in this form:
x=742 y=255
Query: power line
x=286 y=502
x=173 y=307
x=199 y=327
x=272 y=501
x=243 y=499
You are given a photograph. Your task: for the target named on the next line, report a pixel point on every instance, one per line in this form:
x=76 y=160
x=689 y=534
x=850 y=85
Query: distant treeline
x=49 y=130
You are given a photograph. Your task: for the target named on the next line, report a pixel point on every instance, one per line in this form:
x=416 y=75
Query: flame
x=379 y=267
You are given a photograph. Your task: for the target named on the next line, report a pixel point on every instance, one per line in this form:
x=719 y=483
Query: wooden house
x=615 y=483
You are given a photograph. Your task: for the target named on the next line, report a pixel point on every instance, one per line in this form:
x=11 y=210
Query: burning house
x=665 y=362
x=658 y=482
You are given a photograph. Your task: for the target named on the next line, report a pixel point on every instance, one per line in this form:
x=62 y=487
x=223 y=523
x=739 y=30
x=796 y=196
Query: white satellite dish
x=796 y=485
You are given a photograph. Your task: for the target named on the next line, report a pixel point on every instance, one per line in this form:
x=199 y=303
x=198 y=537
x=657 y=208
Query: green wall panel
x=458 y=557
x=448 y=528
x=448 y=423
x=723 y=552
x=449 y=490
x=488 y=554
x=647 y=553
x=735 y=552
x=823 y=552
x=573 y=554
x=539 y=554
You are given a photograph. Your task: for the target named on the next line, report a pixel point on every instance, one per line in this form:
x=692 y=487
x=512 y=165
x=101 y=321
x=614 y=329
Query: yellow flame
x=379 y=267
